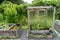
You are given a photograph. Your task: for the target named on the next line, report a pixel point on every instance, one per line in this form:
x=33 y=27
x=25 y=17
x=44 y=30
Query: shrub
x=49 y=3
x=22 y=13
x=13 y=13
x=10 y=12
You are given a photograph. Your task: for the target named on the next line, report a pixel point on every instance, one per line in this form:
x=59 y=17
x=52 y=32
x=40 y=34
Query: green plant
x=1 y=17
x=22 y=13
x=10 y=12
x=13 y=13
x=49 y=3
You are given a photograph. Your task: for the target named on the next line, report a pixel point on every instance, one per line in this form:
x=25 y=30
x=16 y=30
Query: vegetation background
x=15 y=11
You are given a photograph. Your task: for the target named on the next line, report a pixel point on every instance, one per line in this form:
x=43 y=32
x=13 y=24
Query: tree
x=13 y=1
x=16 y=1
x=9 y=13
x=49 y=3
x=1 y=1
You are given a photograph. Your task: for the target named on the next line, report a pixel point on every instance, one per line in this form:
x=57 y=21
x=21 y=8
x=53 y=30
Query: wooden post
x=46 y=18
x=54 y=17
x=37 y=12
x=28 y=14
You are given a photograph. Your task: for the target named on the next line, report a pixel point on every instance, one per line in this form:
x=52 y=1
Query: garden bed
x=13 y=31
x=47 y=34
x=57 y=28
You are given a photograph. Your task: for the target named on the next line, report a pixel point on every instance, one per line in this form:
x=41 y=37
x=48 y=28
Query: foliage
x=13 y=1
x=1 y=17
x=58 y=10
x=16 y=1
x=49 y=3
x=10 y=12
x=22 y=13
x=13 y=13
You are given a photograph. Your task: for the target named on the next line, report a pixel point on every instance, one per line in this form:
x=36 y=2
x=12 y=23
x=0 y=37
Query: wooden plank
x=54 y=17
x=25 y=38
x=28 y=14
x=40 y=7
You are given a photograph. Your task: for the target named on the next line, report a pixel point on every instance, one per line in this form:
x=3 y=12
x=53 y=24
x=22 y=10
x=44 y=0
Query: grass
x=41 y=22
x=4 y=26
x=35 y=22
x=24 y=27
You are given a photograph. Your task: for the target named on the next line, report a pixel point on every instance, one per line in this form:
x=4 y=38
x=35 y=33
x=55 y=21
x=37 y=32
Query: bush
x=10 y=12
x=49 y=3
x=22 y=13
x=13 y=13
x=1 y=17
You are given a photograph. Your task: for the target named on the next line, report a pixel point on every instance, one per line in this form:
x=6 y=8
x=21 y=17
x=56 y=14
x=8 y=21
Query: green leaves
x=49 y=3
x=13 y=13
x=9 y=13
x=22 y=13
x=1 y=17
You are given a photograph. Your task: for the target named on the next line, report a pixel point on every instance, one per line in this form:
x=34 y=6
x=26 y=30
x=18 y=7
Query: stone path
x=24 y=35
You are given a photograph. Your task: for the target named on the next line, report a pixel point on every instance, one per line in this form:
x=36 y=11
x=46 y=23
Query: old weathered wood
x=11 y=33
x=24 y=37
x=37 y=9
x=57 y=27
x=54 y=17
x=28 y=14
x=40 y=31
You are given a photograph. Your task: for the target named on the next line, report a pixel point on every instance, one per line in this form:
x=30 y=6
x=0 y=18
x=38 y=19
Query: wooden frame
x=38 y=8
x=56 y=27
x=11 y=33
